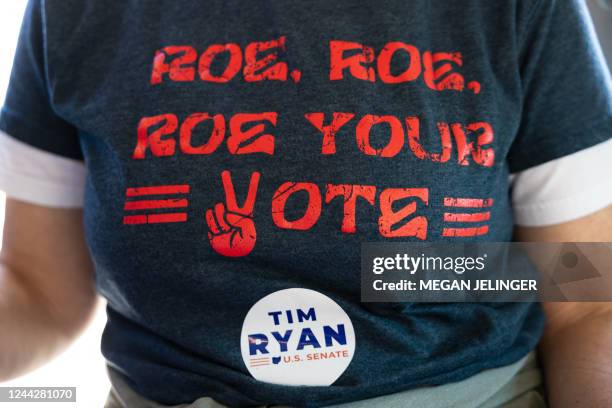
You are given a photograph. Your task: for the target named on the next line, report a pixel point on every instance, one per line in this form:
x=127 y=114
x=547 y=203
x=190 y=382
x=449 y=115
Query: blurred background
x=82 y=365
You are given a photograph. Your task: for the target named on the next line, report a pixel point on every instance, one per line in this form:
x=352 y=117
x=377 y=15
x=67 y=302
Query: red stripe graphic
x=169 y=189
x=258 y=362
x=465 y=232
x=151 y=204
x=134 y=219
x=463 y=217
x=170 y=217
x=165 y=203
x=468 y=202
x=154 y=218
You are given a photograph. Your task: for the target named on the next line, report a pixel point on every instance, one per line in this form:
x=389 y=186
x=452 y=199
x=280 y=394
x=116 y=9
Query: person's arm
x=576 y=349
x=46 y=285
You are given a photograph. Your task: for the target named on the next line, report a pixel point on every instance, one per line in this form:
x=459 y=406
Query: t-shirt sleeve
x=567 y=91
x=42 y=159
x=563 y=189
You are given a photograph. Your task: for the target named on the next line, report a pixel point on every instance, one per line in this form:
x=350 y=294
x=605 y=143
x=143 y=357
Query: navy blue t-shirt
x=237 y=149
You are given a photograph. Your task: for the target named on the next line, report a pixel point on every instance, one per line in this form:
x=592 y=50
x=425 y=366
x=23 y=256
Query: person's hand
x=231 y=227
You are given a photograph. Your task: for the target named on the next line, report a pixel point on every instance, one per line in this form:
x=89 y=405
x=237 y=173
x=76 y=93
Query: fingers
x=230 y=193
x=216 y=220
x=212 y=223
x=249 y=203
x=220 y=215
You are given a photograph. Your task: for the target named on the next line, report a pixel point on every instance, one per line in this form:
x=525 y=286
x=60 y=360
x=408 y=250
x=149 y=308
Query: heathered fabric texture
x=520 y=82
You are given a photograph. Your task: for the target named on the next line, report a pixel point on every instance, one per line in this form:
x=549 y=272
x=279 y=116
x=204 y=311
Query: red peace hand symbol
x=231 y=228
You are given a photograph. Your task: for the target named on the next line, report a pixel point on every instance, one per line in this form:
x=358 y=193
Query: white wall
x=82 y=365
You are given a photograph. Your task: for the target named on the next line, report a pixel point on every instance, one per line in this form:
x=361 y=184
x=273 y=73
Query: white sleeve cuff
x=39 y=177
x=564 y=189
